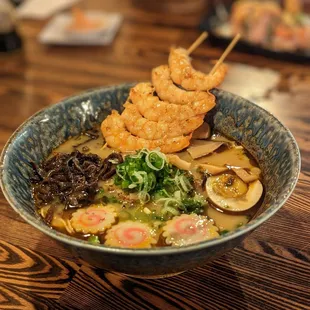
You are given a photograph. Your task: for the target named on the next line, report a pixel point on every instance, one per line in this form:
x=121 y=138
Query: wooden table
x=270 y=270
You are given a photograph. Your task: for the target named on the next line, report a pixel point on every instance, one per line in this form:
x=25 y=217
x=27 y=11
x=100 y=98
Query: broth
x=125 y=205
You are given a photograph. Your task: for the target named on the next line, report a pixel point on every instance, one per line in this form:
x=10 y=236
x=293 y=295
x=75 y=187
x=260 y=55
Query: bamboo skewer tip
x=198 y=41
x=226 y=52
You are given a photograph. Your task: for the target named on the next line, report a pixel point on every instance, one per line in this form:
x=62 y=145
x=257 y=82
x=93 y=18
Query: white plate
x=56 y=32
x=42 y=9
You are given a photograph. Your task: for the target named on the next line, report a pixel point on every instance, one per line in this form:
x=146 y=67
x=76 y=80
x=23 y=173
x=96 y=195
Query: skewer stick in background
x=199 y=40
x=226 y=52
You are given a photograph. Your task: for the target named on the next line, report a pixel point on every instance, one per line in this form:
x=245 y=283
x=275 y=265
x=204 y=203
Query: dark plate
x=213 y=20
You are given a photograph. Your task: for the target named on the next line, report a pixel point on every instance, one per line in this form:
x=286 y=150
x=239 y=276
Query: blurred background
x=53 y=49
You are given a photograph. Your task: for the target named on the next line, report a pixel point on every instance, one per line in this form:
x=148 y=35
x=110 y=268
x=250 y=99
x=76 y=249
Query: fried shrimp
x=182 y=73
x=167 y=90
x=152 y=108
x=150 y=130
x=115 y=133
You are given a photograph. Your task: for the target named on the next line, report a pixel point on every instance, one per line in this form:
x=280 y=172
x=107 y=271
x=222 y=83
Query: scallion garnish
x=150 y=174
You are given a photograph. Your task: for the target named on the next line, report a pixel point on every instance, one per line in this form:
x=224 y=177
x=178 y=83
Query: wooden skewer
x=199 y=40
x=226 y=52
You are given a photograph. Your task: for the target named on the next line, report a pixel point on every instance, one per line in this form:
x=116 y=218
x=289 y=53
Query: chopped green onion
x=177 y=195
x=168 y=202
x=119 y=173
x=186 y=186
x=153 y=177
x=113 y=199
x=167 y=209
x=99 y=194
x=155 y=160
x=132 y=185
x=93 y=239
x=144 y=197
x=224 y=232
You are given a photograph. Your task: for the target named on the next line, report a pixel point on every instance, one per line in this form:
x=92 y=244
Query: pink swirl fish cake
x=94 y=219
x=189 y=228
x=131 y=234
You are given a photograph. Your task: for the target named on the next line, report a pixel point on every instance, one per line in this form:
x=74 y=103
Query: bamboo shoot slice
x=203 y=150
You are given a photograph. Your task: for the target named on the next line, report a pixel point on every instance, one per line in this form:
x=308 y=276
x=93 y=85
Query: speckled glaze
x=261 y=133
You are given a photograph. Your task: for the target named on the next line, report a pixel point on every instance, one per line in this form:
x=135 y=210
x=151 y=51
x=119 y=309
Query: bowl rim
x=172 y=250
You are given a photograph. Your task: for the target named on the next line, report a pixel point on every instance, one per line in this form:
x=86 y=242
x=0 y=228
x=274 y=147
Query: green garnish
x=93 y=239
x=113 y=199
x=150 y=174
x=194 y=204
x=105 y=199
x=224 y=232
x=99 y=194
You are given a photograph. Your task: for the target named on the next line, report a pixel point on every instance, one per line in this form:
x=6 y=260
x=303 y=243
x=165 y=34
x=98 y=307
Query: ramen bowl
x=269 y=142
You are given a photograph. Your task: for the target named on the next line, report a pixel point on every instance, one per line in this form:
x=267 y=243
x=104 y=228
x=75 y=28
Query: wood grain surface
x=270 y=270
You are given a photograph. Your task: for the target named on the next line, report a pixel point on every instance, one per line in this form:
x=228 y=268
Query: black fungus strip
x=204 y=180
x=37 y=173
x=49 y=215
x=72 y=178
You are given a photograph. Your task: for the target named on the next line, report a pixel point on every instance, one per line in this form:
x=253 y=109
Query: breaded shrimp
x=150 y=130
x=182 y=73
x=152 y=108
x=116 y=135
x=167 y=90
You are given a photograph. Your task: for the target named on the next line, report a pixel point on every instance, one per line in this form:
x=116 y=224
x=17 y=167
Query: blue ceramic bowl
x=261 y=133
